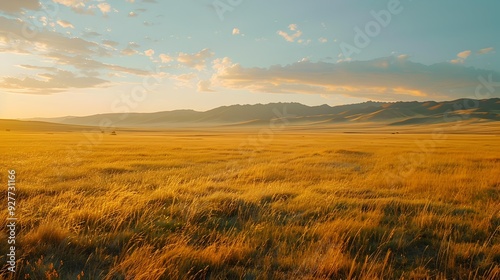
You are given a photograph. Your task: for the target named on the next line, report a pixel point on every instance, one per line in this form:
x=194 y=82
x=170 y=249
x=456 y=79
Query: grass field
x=236 y=205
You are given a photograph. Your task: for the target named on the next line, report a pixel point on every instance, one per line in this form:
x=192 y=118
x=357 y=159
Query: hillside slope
x=397 y=113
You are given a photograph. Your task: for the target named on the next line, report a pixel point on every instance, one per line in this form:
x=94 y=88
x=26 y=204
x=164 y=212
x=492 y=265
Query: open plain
x=255 y=204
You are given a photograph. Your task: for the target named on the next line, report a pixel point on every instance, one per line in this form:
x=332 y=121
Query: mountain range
x=390 y=113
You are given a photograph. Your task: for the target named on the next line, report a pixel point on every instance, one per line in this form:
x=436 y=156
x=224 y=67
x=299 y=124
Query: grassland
x=231 y=205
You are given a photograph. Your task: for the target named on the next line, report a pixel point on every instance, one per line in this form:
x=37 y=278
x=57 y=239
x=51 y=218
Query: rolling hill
x=396 y=113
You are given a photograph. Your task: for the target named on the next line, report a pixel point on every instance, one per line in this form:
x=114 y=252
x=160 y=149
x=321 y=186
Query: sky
x=83 y=57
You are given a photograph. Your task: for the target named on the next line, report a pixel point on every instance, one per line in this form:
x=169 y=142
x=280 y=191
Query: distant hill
x=39 y=126
x=391 y=113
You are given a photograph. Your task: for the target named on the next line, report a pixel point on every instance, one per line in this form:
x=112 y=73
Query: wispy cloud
x=204 y=86
x=195 y=60
x=293 y=36
x=78 y=6
x=464 y=54
x=184 y=80
x=90 y=34
x=110 y=43
x=44 y=41
x=485 y=50
x=165 y=58
x=79 y=60
x=133 y=45
x=52 y=81
x=129 y=51
x=390 y=78
x=461 y=57
x=86 y=63
x=65 y=24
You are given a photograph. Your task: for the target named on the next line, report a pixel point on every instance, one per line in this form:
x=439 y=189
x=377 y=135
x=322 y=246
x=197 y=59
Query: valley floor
x=263 y=204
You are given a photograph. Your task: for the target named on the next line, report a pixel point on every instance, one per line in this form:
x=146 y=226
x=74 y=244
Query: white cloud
x=57 y=49
x=165 y=58
x=461 y=57
x=391 y=78
x=184 y=77
x=48 y=83
x=85 y=63
x=464 y=54
x=128 y=51
x=133 y=45
x=322 y=40
x=90 y=34
x=44 y=41
x=290 y=37
x=149 y=52
x=65 y=24
x=236 y=31
x=305 y=42
x=485 y=50
x=204 y=86
x=104 y=7
x=110 y=43
x=220 y=64
x=403 y=56
x=78 y=6
x=196 y=60
x=184 y=80
x=70 y=3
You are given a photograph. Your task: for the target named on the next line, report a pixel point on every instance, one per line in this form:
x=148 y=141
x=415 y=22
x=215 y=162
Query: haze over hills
x=397 y=113
x=40 y=126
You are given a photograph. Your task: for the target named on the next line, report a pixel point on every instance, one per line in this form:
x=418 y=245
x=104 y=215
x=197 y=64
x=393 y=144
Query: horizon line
x=237 y=104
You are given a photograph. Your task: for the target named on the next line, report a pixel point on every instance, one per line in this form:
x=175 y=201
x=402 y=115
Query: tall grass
x=303 y=206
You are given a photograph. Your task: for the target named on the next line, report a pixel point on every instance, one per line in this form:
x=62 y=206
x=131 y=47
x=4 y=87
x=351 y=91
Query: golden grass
x=229 y=205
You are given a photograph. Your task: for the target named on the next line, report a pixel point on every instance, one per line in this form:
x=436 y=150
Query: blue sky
x=77 y=57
